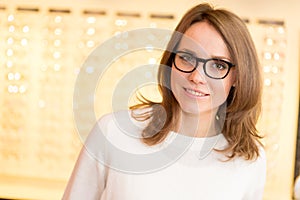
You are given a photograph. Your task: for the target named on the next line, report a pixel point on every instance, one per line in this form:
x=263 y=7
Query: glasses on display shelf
x=10 y=40
x=9 y=52
x=58 y=20
x=9 y=63
x=16 y=89
x=10 y=18
x=272 y=55
x=57 y=43
x=276 y=56
x=16 y=66
x=125 y=21
x=280 y=30
x=272 y=41
x=57 y=67
x=276 y=69
x=56 y=54
x=25 y=29
x=14 y=76
x=162 y=21
x=17 y=51
x=91 y=20
x=11 y=29
x=90 y=44
x=271 y=69
x=54 y=33
x=24 y=42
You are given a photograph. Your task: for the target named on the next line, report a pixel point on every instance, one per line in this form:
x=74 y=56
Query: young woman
x=200 y=142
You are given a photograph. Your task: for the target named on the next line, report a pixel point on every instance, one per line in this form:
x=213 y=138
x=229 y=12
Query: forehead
x=202 y=38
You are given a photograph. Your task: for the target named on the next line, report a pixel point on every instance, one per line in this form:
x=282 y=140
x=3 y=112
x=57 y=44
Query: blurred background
x=44 y=44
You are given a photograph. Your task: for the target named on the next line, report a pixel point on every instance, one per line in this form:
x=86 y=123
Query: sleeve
x=88 y=178
x=257 y=184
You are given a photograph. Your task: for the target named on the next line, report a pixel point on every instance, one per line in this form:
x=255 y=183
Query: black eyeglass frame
x=204 y=61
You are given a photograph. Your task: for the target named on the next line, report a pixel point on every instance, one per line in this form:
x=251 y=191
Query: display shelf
x=42 y=51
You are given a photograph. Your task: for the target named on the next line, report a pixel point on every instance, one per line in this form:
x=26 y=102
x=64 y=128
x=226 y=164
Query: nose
x=198 y=76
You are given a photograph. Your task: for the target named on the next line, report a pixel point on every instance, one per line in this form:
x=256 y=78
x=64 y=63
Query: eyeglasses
x=213 y=68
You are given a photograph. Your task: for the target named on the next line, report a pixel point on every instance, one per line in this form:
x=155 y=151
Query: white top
x=115 y=165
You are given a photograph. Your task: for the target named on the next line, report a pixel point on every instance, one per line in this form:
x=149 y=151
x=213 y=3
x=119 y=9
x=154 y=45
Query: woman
x=203 y=132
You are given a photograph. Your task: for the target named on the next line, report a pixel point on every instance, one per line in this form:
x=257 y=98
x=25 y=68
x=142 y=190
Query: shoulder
x=262 y=153
x=258 y=164
x=257 y=171
x=120 y=130
x=121 y=121
x=261 y=161
x=257 y=168
x=254 y=169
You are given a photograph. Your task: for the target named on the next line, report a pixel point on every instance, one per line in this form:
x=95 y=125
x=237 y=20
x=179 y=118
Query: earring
x=217 y=117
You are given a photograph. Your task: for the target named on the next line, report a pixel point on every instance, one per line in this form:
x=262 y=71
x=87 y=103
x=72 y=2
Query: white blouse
x=115 y=165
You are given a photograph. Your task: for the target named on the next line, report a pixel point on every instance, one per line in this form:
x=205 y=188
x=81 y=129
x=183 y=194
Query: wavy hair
x=243 y=104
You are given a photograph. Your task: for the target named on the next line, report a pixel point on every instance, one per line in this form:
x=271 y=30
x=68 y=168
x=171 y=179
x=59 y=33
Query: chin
x=196 y=110
x=191 y=109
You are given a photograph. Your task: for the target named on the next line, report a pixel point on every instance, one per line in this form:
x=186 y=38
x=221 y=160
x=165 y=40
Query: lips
x=196 y=93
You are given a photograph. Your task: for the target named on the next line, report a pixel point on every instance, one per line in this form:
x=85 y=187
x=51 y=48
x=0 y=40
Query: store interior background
x=44 y=44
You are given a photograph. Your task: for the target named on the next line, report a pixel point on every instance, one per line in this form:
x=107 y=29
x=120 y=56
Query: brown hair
x=243 y=104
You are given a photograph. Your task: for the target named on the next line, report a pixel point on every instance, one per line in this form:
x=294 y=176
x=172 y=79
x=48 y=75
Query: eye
x=219 y=65
x=185 y=57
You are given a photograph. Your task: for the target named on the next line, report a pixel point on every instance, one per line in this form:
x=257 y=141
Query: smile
x=195 y=93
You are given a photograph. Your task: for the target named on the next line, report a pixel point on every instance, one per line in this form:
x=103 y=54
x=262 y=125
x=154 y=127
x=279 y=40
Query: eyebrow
x=210 y=56
x=189 y=51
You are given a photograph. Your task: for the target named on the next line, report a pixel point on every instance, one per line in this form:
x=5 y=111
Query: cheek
x=220 y=91
x=177 y=82
x=177 y=79
x=173 y=82
x=226 y=83
x=172 y=79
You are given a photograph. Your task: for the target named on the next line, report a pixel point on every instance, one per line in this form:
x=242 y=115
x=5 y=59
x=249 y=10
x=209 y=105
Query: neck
x=198 y=125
